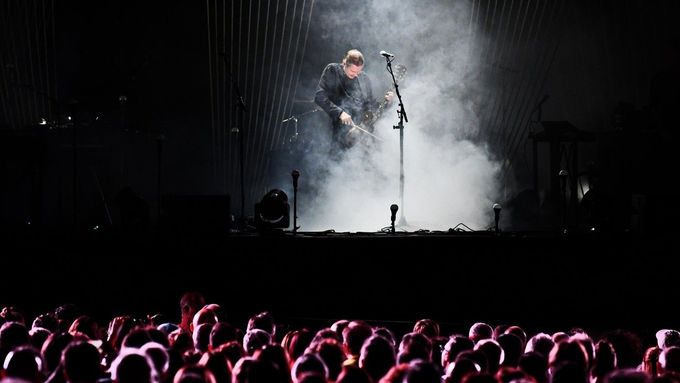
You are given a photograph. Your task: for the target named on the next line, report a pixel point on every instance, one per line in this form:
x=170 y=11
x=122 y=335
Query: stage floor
x=541 y=280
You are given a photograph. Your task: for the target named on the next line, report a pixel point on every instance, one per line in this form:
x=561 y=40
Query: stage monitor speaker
x=196 y=213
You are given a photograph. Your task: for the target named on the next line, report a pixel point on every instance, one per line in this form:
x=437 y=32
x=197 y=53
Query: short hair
x=427 y=327
x=354 y=336
x=541 y=343
x=47 y=321
x=263 y=321
x=81 y=362
x=667 y=338
x=132 y=366
x=414 y=345
x=221 y=333
x=309 y=363
x=296 y=341
x=479 y=331
x=331 y=353
x=377 y=357
x=158 y=354
x=455 y=345
x=353 y=57
x=255 y=339
x=24 y=363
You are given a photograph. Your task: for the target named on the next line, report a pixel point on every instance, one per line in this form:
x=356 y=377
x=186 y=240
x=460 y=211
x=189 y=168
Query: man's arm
x=328 y=84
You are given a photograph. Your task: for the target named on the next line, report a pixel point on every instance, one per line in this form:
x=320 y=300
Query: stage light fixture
x=273 y=211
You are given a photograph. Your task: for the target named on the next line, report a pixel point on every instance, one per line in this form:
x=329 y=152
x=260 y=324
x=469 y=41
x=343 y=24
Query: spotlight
x=273 y=211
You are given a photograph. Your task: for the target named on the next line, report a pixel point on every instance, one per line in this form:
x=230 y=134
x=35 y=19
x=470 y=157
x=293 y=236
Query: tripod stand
x=402 y=117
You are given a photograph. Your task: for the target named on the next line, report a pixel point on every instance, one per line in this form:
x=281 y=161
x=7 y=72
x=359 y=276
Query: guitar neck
x=381 y=105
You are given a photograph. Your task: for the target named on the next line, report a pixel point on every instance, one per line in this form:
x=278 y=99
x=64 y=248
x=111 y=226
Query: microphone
x=385 y=54
x=296 y=175
x=393 y=209
x=496 y=215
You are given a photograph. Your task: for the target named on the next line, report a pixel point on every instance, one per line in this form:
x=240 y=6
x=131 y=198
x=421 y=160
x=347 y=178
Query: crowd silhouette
x=65 y=346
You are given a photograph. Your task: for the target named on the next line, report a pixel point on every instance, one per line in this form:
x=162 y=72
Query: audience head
x=414 y=346
x=377 y=357
x=494 y=353
x=222 y=333
x=24 y=363
x=667 y=338
x=541 y=343
x=194 y=374
x=427 y=327
x=308 y=363
x=46 y=321
x=454 y=346
x=262 y=321
x=65 y=315
x=669 y=360
x=332 y=354
x=420 y=371
x=81 y=363
x=479 y=331
x=339 y=325
x=190 y=303
x=296 y=342
x=255 y=339
x=132 y=366
x=354 y=336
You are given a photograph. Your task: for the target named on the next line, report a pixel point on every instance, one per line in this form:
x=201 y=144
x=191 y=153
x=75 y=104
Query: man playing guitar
x=345 y=94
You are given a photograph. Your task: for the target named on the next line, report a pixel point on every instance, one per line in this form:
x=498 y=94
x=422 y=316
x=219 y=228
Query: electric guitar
x=370 y=117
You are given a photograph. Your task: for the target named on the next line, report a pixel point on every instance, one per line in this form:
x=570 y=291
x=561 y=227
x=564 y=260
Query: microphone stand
x=295 y=174
x=402 y=117
x=294 y=140
x=241 y=106
x=565 y=204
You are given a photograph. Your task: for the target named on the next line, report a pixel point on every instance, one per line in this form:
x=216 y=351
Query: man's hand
x=389 y=95
x=346 y=119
